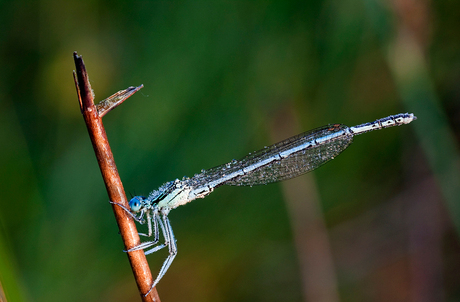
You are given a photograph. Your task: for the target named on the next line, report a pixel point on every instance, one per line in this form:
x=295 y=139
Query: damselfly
x=284 y=160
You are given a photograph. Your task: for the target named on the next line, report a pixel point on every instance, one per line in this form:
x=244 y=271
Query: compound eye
x=135 y=203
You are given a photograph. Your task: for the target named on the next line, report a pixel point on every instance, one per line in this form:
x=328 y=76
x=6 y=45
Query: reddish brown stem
x=112 y=180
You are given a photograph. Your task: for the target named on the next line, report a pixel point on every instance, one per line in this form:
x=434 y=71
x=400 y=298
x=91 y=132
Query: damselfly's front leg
x=138 y=219
x=149 y=225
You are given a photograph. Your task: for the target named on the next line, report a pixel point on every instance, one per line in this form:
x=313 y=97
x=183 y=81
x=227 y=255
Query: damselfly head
x=135 y=204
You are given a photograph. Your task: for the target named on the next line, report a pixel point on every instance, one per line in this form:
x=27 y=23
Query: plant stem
x=115 y=190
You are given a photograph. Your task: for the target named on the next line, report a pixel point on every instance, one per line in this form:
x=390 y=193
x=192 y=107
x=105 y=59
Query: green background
x=220 y=78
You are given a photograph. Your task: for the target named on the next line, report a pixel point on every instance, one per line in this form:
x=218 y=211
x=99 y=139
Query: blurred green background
x=222 y=79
